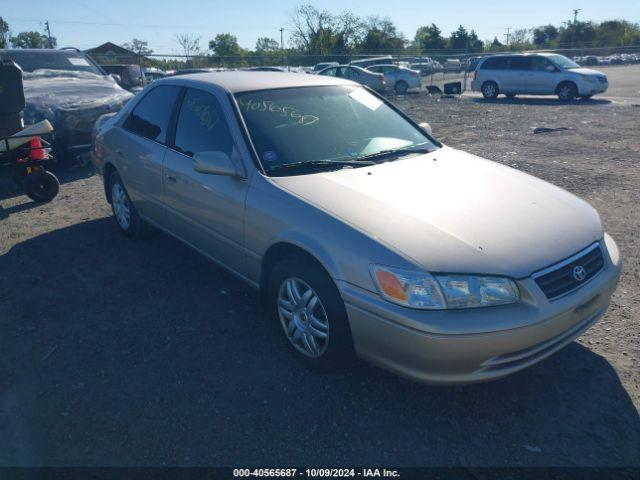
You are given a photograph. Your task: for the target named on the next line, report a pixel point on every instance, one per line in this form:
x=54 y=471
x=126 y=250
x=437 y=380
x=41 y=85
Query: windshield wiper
x=390 y=152
x=319 y=164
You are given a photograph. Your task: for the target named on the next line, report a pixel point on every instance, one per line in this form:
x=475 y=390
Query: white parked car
x=400 y=79
x=536 y=74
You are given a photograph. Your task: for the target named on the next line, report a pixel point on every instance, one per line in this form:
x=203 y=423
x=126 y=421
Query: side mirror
x=551 y=68
x=214 y=163
x=426 y=127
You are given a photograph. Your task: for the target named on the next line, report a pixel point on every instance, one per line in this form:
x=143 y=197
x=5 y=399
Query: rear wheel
x=307 y=305
x=127 y=219
x=490 y=90
x=41 y=185
x=567 y=91
x=401 y=87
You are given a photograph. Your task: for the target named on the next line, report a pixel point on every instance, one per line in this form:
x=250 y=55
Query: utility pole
x=575 y=25
x=48 y=30
x=508 y=35
x=282 y=44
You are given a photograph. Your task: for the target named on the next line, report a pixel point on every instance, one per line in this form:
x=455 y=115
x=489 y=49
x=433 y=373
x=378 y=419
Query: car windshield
x=563 y=62
x=32 y=60
x=326 y=126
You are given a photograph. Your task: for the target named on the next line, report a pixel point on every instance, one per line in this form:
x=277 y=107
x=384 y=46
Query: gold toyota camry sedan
x=364 y=234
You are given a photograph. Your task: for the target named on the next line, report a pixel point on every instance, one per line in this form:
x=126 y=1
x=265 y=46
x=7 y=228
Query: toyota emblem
x=579 y=273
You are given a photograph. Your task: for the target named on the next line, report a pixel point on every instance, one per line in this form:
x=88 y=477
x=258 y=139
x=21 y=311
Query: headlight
x=425 y=291
x=407 y=288
x=470 y=291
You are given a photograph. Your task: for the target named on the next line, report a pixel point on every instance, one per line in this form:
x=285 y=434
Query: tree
x=318 y=32
x=266 y=45
x=429 y=38
x=459 y=40
x=381 y=35
x=4 y=33
x=138 y=46
x=225 y=45
x=495 y=45
x=577 y=34
x=33 y=40
x=519 y=39
x=544 y=35
x=190 y=44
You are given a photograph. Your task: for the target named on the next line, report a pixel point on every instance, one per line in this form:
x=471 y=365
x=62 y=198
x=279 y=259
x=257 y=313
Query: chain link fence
x=437 y=67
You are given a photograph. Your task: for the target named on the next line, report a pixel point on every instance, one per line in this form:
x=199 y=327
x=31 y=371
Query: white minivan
x=536 y=74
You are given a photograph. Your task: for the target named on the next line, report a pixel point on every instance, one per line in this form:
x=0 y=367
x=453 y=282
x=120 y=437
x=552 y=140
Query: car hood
x=449 y=211
x=585 y=71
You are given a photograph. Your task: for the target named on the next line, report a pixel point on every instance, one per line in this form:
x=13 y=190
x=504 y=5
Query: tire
x=490 y=90
x=41 y=185
x=401 y=87
x=124 y=212
x=510 y=96
x=302 y=327
x=567 y=91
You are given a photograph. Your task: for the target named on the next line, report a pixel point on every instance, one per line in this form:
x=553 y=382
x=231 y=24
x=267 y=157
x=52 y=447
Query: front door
x=543 y=76
x=206 y=211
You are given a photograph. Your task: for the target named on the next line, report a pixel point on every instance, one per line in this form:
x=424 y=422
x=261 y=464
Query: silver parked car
x=363 y=233
x=400 y=79
x=536 y=74
x=372 y=80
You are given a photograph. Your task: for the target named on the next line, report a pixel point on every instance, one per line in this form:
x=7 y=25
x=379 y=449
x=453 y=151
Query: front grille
x=602 y=79
x=563 y=278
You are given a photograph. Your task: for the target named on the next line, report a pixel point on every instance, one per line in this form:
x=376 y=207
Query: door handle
x=171 y=178
x=119 y=152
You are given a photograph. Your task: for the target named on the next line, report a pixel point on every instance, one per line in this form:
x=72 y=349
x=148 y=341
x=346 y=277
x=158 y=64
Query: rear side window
x=495 y=63
x=201 y=125
x=151 y=116
x=520 y=63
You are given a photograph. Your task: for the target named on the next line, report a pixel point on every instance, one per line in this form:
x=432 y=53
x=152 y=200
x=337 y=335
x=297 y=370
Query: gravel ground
x=114 y=352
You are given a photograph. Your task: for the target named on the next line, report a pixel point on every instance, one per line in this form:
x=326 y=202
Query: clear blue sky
x=85 y=23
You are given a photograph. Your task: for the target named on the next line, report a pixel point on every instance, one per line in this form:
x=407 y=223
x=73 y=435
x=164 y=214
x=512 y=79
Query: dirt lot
x=114 y=352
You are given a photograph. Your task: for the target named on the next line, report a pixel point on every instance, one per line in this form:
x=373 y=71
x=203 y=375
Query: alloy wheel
x=121 y=207
x=303 y=317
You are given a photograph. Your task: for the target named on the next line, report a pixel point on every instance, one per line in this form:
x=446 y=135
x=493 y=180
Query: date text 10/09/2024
x=316 y=472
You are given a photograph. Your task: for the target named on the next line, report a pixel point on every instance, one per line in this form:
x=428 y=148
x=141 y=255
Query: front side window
x=563 y=62
x=315 y=126
x=201 y=125
x=541 y=64
x=150 y=117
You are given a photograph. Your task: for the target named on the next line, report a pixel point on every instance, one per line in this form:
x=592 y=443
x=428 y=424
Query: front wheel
x=490 y=90
x=567 y=91
x=307 y=305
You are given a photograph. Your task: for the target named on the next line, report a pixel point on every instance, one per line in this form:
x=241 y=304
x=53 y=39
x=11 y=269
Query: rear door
x=138 y=149
x=516 y=76
x=206 y=211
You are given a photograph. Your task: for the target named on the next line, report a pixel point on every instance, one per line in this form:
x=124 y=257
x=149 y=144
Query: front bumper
x=473 y=345
x=592 y=88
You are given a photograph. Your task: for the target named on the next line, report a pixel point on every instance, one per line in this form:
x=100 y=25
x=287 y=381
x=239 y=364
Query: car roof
x=245 y=81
